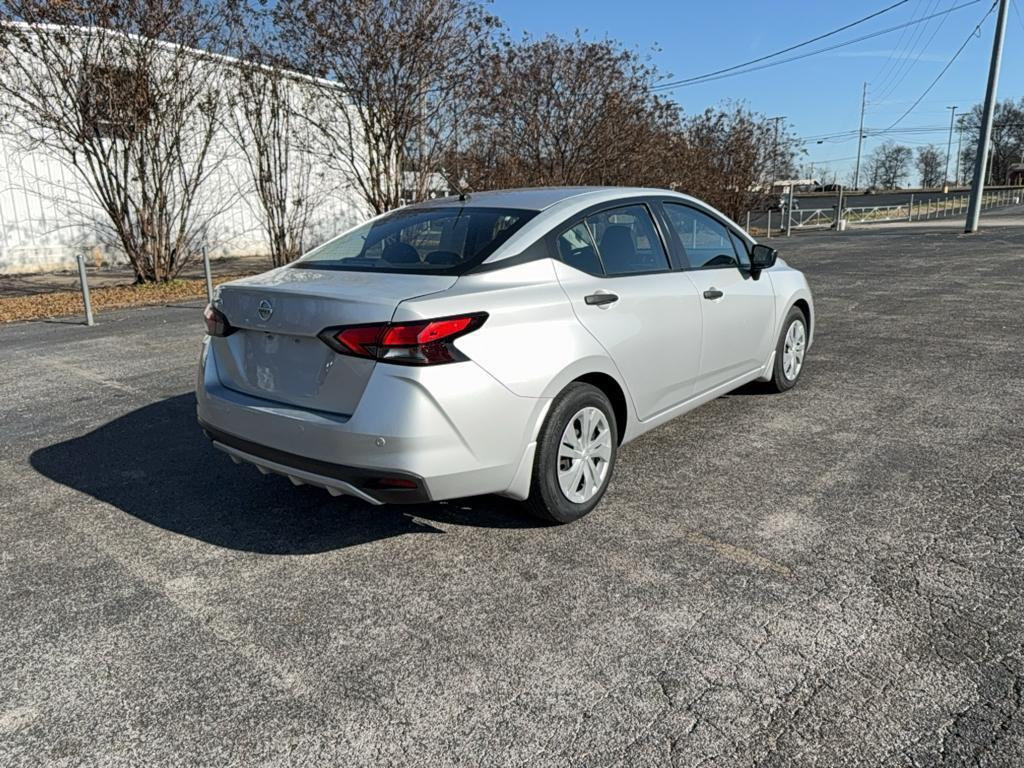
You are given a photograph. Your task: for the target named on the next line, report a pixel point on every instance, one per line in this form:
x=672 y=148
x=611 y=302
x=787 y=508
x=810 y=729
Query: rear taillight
x=216 y=322
x=427 y=342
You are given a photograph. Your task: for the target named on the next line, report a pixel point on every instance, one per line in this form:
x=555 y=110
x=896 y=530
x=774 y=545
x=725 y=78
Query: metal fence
x=917 y=208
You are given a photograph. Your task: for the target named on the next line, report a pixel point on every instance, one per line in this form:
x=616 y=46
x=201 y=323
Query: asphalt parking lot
x=827 y=577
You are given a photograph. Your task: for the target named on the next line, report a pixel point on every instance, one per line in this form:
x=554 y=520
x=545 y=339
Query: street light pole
x=949 y=144
x=860 y=136
x=985 y=134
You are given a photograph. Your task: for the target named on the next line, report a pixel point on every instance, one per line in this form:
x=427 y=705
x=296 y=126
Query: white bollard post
x=209 y=277
x=85 y=291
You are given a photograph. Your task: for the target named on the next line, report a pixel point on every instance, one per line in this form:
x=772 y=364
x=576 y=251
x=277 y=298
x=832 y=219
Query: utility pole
x=860 y=136
x=775 y=166
x=775 y=150
x=985 y=135
x=959 y=146
x=949 y=144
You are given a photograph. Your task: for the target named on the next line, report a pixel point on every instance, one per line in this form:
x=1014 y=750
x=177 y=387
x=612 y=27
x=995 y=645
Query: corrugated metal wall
x=47 y=215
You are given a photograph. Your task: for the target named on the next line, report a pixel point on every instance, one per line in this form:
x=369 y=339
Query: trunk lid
x=275 y=353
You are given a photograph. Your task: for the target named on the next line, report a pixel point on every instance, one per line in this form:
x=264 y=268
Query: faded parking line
x=736 y=553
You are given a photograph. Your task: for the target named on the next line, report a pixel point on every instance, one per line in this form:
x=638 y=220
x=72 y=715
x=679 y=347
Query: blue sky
x=818 y=95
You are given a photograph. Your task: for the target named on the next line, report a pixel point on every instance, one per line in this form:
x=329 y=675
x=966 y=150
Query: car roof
x=537 y=198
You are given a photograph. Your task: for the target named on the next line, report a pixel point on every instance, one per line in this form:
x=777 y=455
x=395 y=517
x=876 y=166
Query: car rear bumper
x=338 y=479
x=453 y=430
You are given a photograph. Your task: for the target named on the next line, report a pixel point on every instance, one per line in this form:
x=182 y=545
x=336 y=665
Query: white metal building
x=47 y=216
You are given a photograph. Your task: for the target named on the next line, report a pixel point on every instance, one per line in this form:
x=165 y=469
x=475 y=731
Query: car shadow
x=155 y=464
x=750 y=389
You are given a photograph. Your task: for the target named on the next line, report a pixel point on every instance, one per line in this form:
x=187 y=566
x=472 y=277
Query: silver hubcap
x=793 y=350
x=584 y=454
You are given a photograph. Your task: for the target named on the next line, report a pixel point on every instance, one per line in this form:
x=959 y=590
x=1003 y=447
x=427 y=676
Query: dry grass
x=64 y=303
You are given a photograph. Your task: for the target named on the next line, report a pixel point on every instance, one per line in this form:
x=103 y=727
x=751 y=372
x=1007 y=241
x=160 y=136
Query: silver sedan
x=499 y=342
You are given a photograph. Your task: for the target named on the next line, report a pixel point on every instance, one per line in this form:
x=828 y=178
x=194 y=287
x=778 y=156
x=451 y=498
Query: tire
x=783 y=375
x=573 y=405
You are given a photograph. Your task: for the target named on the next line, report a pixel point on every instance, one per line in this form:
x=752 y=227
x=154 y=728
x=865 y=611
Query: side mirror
x=762 y=257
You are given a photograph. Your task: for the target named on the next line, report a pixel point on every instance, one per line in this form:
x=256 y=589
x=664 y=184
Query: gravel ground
x=827 y=577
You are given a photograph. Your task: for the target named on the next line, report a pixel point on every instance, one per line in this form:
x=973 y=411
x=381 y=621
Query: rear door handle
x=600 y=299
x=714 y=293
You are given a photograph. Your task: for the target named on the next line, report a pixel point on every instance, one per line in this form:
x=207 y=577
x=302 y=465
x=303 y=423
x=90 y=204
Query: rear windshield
x=431 y=240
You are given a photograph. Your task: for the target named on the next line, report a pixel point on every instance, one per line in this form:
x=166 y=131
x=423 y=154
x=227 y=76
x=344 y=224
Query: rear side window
x=620 y=241
x=707 y=243
x=577 y=248
x=413 y=240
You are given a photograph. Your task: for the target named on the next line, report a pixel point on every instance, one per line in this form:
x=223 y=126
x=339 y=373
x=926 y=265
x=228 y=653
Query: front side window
x=706 y=241
x=742 y=252
x=627 y=241
x=413 y=240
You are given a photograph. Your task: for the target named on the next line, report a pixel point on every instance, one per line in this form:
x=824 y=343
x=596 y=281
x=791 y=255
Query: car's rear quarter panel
x=532 y=341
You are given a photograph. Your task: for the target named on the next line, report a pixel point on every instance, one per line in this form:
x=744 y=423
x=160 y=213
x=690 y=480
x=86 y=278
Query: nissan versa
x=501 y=342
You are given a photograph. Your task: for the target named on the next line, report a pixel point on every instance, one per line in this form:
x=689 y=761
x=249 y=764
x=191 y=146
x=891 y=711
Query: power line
x=908 y=131
x=892 y=62
x=908 y=64
x=871 y=131
x=742 y=69
x=1020 y=19
x=904 y=66
x=974 y=33
x=834 y=160
x=798 y=45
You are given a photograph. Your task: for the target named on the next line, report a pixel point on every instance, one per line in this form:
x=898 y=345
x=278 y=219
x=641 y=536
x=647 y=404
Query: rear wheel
x=575 y=456
x=790 y=351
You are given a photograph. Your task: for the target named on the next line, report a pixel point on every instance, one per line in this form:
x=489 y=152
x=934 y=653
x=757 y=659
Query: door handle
x=714 y=293
x=600 y=299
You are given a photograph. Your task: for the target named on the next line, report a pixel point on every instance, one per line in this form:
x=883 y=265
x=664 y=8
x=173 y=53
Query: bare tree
x=401 y=65
x=1007 y=147
x=889 y=165
x=556 y=111
x=266 y=122
x=119 y=92
x=931 y=165
x=729 y=156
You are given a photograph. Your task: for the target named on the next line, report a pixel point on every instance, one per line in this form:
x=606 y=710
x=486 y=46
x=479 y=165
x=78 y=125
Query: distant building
x=1015 y=174
x=436 y=185
x=783 y=186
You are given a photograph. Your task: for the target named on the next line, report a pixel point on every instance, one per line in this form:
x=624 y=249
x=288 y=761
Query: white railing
x=877 y=213
x=917 y=208
x=817 y=218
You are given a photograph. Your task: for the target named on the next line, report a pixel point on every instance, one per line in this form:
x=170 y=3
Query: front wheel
x=790 y=351
x=576 y=451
